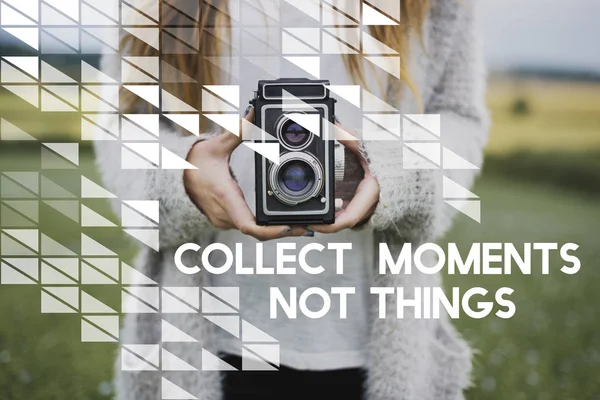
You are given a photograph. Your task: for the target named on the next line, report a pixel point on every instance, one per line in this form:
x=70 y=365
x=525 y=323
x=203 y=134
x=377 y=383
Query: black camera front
x=300 y=189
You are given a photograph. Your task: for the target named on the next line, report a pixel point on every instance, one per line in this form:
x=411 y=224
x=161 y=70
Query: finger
x=357 y=210
x=237 y=209
x=231 y=140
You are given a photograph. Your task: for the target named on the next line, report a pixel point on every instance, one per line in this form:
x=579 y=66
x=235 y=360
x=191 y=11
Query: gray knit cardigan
x=408 y=359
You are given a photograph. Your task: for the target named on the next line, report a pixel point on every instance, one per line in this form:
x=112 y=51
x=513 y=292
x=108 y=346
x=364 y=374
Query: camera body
x=300 y=190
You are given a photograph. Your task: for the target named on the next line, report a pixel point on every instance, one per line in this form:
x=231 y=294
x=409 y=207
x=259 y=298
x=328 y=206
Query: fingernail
x=286 y=230
x=336 y=119
x=247 y=111
x=308 y=228
x=309 y=234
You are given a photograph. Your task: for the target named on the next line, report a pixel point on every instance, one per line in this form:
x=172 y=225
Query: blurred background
x=540 y=183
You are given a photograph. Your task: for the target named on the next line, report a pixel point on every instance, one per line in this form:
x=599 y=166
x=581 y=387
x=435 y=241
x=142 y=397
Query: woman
x=361 y=357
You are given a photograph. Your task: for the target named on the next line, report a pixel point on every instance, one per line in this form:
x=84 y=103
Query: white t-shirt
x=317 y=344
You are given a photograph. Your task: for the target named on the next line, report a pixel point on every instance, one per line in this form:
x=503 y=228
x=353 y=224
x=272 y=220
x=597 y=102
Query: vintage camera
x=300 y=190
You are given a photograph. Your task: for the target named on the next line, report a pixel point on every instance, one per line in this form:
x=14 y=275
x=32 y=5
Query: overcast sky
x=548 y=33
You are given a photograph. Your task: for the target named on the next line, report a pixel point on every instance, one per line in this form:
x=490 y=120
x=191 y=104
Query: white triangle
x=311 y=122
x=230 y=295
x=452 y=160
x=11 y=74
x=150 y=93
x=170 y=334
x=90 y=74
x=311 y=8
x=372 y=132
x=50 y=247
x=170 y=391
x=389 y=122
x=70 y=151
x=251 y=362
x=269 y=352
x=231 y=122
x=12 y=276
x=471 y=208
x=171 y=103
x=130 y=362
x=29 y=64
x=311 y=36
x=29 y=36
x=333 y=17
x=414 y=132
x=370 y=45
x=146 y=64
x=371 y=103
x=147 y=236
x=190 y=122
x=149 y=208
x=109 y=323
x=312 y=65
x=291 y=45
x=89 y=16
x=92 y=305
x=147 y=35
x=350 y=93
x=431 y=151
x=70 y=295
x=371 y=16
x=189 y=294
x=267 y=150
x=50 y=305
x=132 y=219
x=172 y=305
x=67 y=93
x=67 y=7
x=210 y=362
x=148 y=151
x=170 y=362
x=229 y=93
x=171 y=160
x=347 y=35
x=430 y=122
x=149 y=122
x=28 y=266
x=91 y=334
x=412 y=160
x=91 y=276
x=28 y=93
x=148 y=352
x=27 y=7
x=11 y=17
x=51 y=276
x=28 y=237
x=251 y=333
x=90 y=247
x=210 y=304
x=69 y=266
x=131 y=276
x=109 y=266
x=13 y=132
x=131 y=305
x=388 y=64
x=230 y=323
x=91 y=190
x=53 y=75
x=452 y=190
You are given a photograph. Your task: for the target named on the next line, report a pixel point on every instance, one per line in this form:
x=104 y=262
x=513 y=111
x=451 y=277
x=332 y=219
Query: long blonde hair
x=197 y=66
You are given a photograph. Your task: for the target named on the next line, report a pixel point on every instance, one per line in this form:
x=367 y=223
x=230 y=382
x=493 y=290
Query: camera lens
x=296 y=177
x=293 y=135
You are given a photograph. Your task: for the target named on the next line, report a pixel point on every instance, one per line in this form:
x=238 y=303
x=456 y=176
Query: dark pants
x=288 y=383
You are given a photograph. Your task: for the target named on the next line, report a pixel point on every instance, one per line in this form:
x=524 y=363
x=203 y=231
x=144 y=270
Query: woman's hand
x=214 y=191
x=362 y=205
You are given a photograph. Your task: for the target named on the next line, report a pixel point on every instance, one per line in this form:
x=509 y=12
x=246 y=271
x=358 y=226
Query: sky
x=547 y=33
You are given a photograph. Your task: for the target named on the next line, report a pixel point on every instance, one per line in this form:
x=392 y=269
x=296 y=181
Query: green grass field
x=549 y=350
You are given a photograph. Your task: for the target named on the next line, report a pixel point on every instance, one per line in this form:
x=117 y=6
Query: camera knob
x=340 y=159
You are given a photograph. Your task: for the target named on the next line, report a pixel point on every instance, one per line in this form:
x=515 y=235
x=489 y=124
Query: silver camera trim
x=324 y=135
x=264 y=92
x=279 y=127
x=280 y=193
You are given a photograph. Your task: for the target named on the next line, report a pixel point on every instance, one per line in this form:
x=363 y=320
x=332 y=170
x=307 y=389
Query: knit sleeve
x=411 y=201
x=180 y=220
